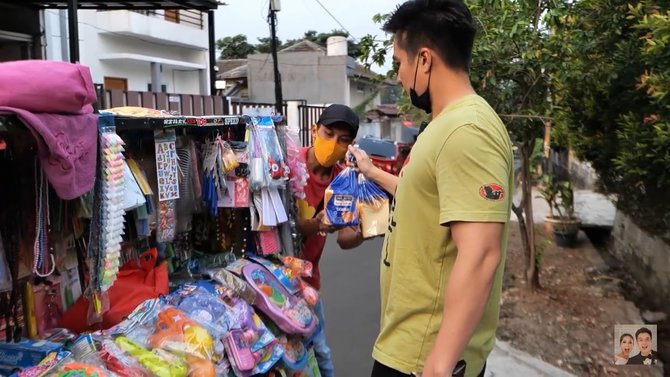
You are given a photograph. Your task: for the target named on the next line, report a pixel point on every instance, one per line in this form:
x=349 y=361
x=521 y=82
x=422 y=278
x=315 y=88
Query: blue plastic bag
x=341 y=199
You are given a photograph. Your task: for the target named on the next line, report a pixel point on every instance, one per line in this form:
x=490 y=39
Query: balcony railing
x=192 y=18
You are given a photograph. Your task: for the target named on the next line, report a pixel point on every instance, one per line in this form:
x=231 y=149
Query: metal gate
x=309 y=115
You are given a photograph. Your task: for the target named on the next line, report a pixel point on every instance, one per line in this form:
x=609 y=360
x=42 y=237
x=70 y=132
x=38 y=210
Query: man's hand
x=324 y=228
x=363 y=161
x=365 y=166
x=435 y=366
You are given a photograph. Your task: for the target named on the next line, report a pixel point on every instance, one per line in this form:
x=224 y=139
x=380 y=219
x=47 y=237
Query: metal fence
x=196 y=105
x=184 y=104
x=309 y=115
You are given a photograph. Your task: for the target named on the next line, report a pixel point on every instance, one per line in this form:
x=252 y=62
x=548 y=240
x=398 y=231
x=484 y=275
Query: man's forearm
x=466 y=294
x=387 y=181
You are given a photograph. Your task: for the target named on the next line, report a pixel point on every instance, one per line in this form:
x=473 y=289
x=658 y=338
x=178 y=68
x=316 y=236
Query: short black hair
x=625 y=335
x=643 y=330
x=446 y=26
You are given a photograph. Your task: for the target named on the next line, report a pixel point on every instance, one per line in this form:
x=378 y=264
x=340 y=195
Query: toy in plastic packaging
x=250 y=332
x=204 y=310
x=309 y=293
x=75 y=369
x=286 y=275
x=233 y=284
x=227 y=158
x=177 y=333
x=238 y=349
x=373 y=206
x=295 y=353
x=159 y=363
x=340 y=200
x=120 y=363
x=298 y=169
x=268 y=167
x=299 y=267
x=290 y=313
x=49 y=364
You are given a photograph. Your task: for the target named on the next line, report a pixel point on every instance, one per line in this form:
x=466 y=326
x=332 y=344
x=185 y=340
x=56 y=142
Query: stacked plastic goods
x=254 y=318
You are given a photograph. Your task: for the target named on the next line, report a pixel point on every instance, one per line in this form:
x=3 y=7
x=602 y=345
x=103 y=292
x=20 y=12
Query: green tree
x=235 y=47
x=264 y=45
x=612 y=100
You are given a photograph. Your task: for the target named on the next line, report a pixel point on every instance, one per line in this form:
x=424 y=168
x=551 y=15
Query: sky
x=297 y=16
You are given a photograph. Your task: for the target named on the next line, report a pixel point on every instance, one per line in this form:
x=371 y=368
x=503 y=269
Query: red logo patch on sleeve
x=492 y=191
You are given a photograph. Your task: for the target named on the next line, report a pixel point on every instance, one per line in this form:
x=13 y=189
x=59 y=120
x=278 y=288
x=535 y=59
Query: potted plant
x=561 y=222
x=548 y=190
x=566 y=226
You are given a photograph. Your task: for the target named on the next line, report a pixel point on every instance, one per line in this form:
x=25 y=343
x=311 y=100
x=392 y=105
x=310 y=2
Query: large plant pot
x=548 y=226
x=561 y=223
x=565 y=239
x=564 y=230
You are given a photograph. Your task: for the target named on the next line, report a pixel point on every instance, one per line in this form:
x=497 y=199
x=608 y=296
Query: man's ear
x=425 y=59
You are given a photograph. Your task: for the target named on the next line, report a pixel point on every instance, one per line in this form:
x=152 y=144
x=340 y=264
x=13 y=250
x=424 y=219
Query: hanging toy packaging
x=268 y=167
x=167 y=171
x=373 y=206
x=340 y=200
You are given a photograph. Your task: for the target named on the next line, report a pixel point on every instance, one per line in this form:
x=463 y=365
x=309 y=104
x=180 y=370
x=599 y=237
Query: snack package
x=340 y=200
x=373 y=207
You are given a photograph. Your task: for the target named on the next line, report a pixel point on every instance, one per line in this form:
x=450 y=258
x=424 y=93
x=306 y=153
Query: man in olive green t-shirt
x=443 y=257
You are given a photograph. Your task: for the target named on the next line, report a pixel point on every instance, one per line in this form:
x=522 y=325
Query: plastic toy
x=200 y=367
x=289 y=313
x=160 y=363
x=176 y=331
x=80 y=369
x=299 y=267
x=295 y=353
x=309 y=293
x=239 y=352
x=118 y=362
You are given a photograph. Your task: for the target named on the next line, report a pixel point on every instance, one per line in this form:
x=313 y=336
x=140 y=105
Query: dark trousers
x=381 y=370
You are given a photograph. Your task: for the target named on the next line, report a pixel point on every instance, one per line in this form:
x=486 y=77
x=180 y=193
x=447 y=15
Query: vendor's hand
x=363 y=161
x=324 y=228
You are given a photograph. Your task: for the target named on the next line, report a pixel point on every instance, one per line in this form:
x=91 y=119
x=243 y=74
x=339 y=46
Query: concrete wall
x=309 y=76
x=360 y=90
x=646 y=257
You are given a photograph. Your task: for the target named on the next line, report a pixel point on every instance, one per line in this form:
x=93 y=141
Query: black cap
x=340 y=114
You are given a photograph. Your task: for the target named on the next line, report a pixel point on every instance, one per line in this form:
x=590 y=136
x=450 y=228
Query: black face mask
x=421 y=101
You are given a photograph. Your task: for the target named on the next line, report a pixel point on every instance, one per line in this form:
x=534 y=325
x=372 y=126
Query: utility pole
x=275 y=7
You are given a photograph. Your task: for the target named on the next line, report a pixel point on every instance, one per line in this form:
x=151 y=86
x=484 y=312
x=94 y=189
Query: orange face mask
x=328 y=152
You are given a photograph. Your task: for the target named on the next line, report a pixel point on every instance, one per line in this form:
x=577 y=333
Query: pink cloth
x=45 y=86
x=54 y=100
x=66 y=147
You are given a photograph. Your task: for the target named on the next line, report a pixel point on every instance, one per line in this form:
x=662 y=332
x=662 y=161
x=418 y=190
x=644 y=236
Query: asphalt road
x=350 y=290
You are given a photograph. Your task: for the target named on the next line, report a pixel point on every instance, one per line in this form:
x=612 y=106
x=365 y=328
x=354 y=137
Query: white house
x=138 y=50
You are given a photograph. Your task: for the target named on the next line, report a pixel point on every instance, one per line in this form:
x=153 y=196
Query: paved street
x=350 y=281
